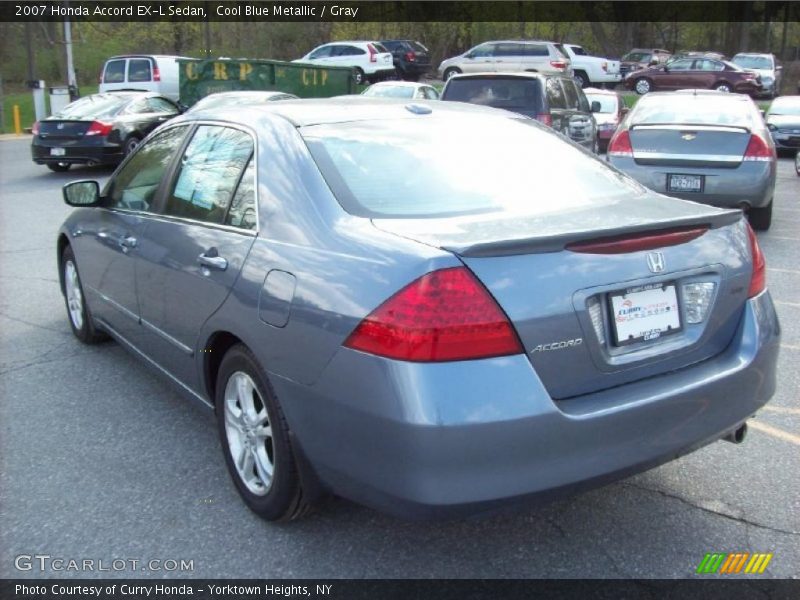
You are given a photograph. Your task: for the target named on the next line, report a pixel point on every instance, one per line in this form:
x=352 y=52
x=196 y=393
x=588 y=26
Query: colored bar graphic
x=727 y=564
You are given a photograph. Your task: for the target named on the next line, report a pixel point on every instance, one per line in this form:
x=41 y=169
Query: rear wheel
x=643 y=86
x=723 y=87
x=450 y=72
x=797 y=163
x=58 y=167
x=80 y=320
x=131 y=144
x=761 y=218
x=255 y=439
x=581 y=79
x=358 y=76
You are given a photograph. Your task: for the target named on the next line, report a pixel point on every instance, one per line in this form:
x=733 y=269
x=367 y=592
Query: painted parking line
x=779 y=237
x=790 y=271
x=790 y=347
x=781 y=409
x=785 y=303
x=775 y=432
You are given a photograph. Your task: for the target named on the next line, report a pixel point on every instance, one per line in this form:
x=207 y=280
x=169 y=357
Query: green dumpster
x=200 y=77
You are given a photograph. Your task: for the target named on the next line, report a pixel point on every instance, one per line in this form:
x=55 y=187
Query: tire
x=642 y=86
x=761 y=218
x=596 y=147
x=358 y=76
x=450 y=72
x=582 y=79
x=131 y=144
x=80 y=319
x=255 y=436
x=797 y=163
x=723 y=87
x=59 y=167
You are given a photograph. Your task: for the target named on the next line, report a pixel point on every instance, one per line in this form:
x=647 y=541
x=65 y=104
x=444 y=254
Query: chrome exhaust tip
x=737 y=435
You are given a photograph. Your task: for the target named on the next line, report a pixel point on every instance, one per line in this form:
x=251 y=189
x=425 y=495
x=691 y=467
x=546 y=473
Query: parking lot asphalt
x=100 y=459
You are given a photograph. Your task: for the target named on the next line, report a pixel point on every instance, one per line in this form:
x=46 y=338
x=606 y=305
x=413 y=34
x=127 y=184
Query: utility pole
x=29 y=51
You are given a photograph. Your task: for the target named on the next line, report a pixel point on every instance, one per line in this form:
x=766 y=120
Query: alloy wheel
x=642 y=87
x=249 y=433
x=74 y=296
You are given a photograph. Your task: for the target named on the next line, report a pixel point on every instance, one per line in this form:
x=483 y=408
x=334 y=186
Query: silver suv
x=765 y=65
x=506 y=57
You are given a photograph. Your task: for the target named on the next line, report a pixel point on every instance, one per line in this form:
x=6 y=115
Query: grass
x=24 y=100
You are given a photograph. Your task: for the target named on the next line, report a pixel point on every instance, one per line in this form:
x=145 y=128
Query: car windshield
x=637 y=56
x=753 y=62
x=390 y=91
x=508 y=93
x=219 y=100
x=785 y=106
x=95 y=106
x=703 y=109
x=608 y=103
x=437 y=167
x=732 y=66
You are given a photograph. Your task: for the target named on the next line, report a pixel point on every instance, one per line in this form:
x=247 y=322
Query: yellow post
x=17 y=126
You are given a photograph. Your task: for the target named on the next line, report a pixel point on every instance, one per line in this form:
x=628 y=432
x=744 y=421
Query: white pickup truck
x=591 y=70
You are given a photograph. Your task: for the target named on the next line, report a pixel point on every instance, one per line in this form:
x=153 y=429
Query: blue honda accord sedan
x=431 y=309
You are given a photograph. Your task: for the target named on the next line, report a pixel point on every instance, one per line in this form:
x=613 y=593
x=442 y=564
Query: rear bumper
x=413 y=68
x=459 y=438
x=97 y=151
x=751 y=183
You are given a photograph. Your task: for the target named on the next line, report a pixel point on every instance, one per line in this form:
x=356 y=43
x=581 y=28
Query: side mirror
x=595 y=106
x=82 y=193
x=182 y=108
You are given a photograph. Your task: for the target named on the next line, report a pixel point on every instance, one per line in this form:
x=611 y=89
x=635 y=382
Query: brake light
x=558 y=64
x=444 y=315
x=35 y=128
x=99 y=128
x=411 y=56
x=545 y=118
x=758 y=283
x=373 y=54
x=758 y=150
x=156 y=73
x=635 y=243
x=620 y=144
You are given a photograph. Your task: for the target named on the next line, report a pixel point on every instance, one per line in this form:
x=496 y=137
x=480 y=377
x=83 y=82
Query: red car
x=695 y=73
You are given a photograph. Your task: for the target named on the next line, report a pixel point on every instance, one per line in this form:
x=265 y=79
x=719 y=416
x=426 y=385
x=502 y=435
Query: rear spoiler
x=557 y=243
x=689 y=126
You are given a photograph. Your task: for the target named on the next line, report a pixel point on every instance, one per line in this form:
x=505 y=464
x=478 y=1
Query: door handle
x=210 y=259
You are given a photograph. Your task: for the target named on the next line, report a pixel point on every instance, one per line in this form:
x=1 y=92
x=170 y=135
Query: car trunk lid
x=56 y=129
x=564 y=301
x=689 y=145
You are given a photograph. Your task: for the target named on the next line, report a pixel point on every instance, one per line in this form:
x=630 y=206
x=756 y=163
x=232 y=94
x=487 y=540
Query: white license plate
x=57 y=151
x=684 y=183
x=644 y=313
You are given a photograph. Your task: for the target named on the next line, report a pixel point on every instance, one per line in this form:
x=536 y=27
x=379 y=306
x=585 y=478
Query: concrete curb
x=4 y=137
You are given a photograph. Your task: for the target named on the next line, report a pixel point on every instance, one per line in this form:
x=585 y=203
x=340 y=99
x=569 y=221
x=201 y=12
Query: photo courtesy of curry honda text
x=430 y=308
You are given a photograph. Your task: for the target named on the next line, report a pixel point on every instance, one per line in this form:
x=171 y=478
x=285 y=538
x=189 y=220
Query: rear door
x=508 y=57
x=536 y=57
x=480 y=60
x=558 y=105
x=140 y=74
x=580 y=125
x=191 y=255
x=113 y=76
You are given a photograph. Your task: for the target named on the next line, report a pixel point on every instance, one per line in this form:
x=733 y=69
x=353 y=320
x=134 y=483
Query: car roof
x=700 y=93
x=599 y=92
x=753 y=54
x=324 y=111
x=517 y=41
x=502 y=75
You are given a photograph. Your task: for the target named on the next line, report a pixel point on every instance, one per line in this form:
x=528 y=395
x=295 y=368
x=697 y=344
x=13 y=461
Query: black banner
x=349 y=589
x=388 y=11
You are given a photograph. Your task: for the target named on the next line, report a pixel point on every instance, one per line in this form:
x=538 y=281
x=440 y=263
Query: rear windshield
x=95 y=106
x=785 y=106
x=115 y=71
x=390 y=91
x=608 y=103
x=436 y=167
x=510 y=94
x=753 y=62
x=699 y=110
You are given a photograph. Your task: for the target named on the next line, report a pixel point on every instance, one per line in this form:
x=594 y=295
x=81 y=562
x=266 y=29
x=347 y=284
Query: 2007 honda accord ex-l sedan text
x=432 y=309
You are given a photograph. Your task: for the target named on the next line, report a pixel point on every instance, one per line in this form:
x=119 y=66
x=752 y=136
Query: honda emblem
x=655 y=262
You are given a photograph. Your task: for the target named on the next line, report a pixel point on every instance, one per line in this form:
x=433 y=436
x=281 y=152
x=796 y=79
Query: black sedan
x=99 y=129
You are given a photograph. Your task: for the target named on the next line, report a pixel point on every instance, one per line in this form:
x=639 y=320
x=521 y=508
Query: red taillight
x=35 y=128
x=373 y=54
x=758 y=149
x=558 y=64
x=442 y=316
x=156 y=73
x=635 y=243
x=411 y=56
x=759 y=281
x=99 y=128
x=545 y=118
x=620 y=144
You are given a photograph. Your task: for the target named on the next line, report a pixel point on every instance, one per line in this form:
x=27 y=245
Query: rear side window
x=536 y=50
x=378 y=47
x=440 y=167
x=209 y=173
x=509 y=50
x=242 y=212
x=139 y=69
x=510 y=94
x=115 y=71
x=348 y=51
x=555 y=94
x=700 y=110
x=570 y=94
